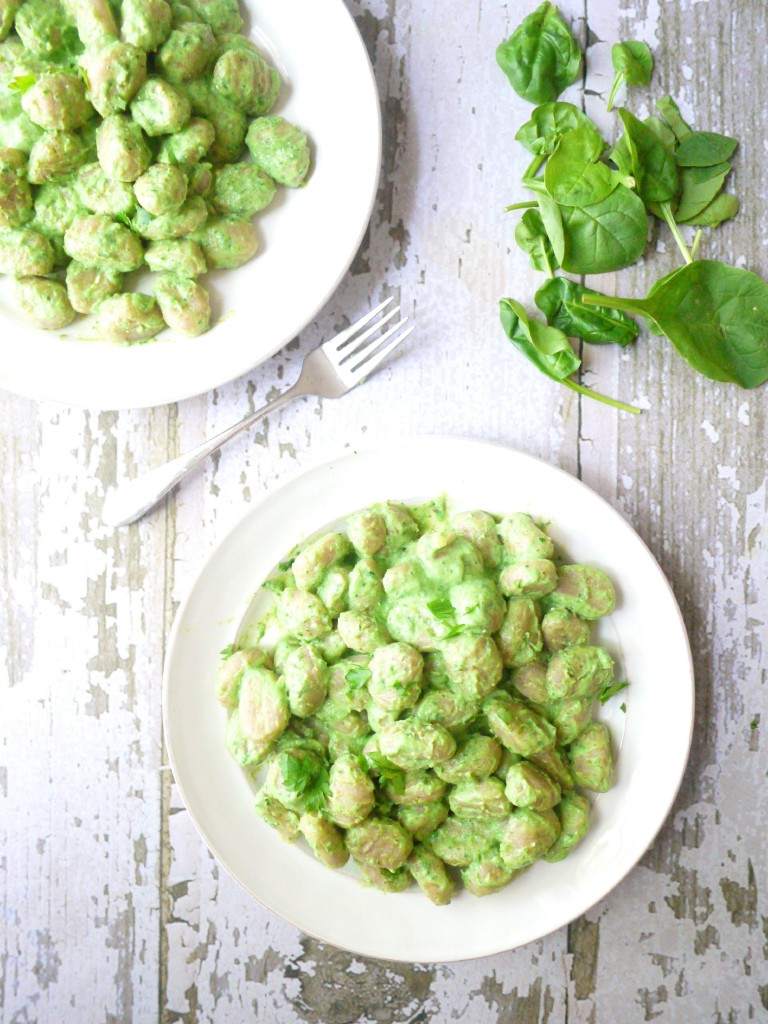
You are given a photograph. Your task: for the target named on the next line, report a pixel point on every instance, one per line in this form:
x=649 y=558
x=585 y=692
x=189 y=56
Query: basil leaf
x=633 y=64
x=604 y=236
x=652 y=164
x=670 y=111
x=704 y=149
x=532 y=238
x=722 y=207
x=541 y=57
x=548 y=122
x=560 y=300
x=574 y=176
x=716 y=316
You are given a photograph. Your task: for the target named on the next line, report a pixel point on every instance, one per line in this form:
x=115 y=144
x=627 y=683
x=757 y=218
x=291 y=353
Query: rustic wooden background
x=113 y=910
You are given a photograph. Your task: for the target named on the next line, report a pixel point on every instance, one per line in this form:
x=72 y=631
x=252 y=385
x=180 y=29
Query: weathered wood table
x=113 y=910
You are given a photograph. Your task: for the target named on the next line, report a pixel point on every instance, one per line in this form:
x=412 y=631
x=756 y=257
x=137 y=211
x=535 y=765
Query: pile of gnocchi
x=419 y=698
x=123 y=124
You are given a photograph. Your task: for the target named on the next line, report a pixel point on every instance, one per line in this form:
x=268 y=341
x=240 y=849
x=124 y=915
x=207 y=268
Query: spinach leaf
x=551 y=218
x=722 y=207
x=698 y=188
x=633 y=64
x=716 y=316
x=560 y=300
x=531 y=236
x=541 y=57
x=670 y=111
x=548 y=122
x=574 y=176
x=602 y=237
x=548 y=349
x=652 y=164
x=661 y=131
x=704 y=149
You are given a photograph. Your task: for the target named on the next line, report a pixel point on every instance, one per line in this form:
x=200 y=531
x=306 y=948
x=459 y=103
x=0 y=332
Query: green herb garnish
x=442 y=609
x=22 y=83
x=388 y=772
x=356 y=678
x=124 y=219
x=306 y=778
x=610 y=691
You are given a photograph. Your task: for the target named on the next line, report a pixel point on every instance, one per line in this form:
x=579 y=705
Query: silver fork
x=329 y=371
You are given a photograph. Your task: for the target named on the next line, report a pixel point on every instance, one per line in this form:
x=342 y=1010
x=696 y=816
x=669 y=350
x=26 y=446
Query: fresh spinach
x=548 y=349
x=531 y=236
x=541 y=57
x=560 y=300
x=723 y=207
x=663 y=133
x=651 y=163
x=670 y=111
x=698 y=188
x=574 y=175
x=633 y=64
x=605 y=236
x=704 y=149
x=716 y=316
x=548 y=123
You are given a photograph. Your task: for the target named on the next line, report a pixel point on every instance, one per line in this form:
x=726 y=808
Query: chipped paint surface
x=112 y=908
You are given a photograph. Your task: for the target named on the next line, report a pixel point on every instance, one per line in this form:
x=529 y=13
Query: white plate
x=645 y=634
x=308 y=238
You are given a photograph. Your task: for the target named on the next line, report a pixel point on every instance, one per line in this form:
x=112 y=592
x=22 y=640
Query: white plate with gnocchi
x=304 y=239
x=649 y=721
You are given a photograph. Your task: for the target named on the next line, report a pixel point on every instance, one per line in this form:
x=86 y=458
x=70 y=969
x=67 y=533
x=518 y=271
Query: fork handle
x=132 y=499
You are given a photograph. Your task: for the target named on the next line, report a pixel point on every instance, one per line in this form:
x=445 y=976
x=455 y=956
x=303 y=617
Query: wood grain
x=113 y=909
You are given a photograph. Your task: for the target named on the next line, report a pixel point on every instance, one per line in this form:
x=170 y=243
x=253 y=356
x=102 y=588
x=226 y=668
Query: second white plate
x=308 y=238
x=646 y=635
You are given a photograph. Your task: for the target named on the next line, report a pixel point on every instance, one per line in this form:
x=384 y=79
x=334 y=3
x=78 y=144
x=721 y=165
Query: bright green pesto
x=420 y=695
x=122 y=137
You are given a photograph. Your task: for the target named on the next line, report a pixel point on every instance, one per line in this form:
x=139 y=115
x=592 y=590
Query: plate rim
x=48 y=393
x=326 y=459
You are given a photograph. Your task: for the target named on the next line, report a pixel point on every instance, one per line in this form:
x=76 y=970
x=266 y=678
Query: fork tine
x=371 y=362
x=361 y=343
x=341 y=339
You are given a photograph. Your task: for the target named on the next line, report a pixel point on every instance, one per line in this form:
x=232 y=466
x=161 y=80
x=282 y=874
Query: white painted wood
x=112 y=908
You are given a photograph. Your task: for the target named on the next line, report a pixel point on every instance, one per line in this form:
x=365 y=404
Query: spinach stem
x=601 y=398
x=617 y=83
x=519 y=206
x=533 y=166
x=610 y=302
x=665 y=209
x=695 y=246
